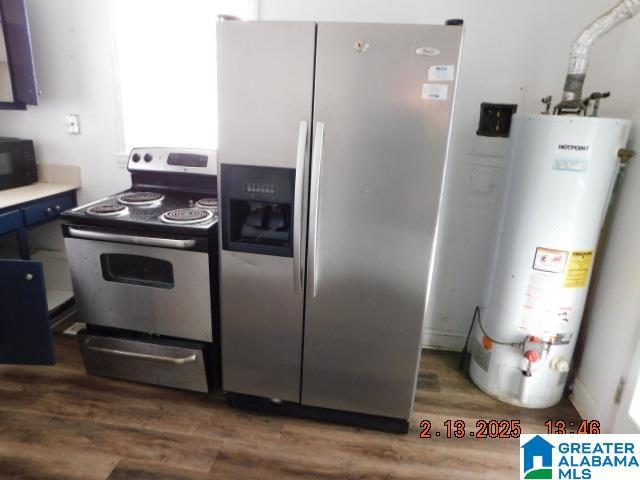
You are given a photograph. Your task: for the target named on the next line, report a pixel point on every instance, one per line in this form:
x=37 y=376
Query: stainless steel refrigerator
x=333 y=139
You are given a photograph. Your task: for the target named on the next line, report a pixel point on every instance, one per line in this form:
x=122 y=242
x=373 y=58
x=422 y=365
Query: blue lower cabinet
x=48 y=209
x=11 y=222
x=25 y=333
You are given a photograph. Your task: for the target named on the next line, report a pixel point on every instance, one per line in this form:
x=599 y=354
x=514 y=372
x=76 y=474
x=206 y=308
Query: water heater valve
x=559 y=364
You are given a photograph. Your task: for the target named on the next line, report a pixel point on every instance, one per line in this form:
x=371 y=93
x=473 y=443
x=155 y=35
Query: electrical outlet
x=122 y=160
x=73 y=123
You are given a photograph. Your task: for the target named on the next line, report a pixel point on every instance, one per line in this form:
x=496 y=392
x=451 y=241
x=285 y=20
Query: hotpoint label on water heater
x=572 y=153
x=442 y=73
x=550 y=260
x=578 y=269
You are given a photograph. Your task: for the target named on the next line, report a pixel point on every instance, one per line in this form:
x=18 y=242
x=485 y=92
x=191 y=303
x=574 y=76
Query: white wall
x=613 y=327
x=515 y=52
x=72 y=50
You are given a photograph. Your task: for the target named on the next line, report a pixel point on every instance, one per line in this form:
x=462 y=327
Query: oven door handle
x=145 y=356
x=132 y=239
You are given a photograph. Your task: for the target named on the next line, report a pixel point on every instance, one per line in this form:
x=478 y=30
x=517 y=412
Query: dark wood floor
x=59 y=423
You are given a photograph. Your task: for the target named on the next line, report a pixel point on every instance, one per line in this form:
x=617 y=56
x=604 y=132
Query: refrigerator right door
x=382 y=113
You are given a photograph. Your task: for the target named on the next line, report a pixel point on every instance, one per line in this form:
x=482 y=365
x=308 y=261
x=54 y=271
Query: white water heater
x=560 y=176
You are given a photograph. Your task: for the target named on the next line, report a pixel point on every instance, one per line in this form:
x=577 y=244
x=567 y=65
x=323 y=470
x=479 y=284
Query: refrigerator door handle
x=316 y=164
x=297 y=208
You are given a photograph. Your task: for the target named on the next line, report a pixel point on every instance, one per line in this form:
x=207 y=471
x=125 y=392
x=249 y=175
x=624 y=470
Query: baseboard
x=583 y=401
x=442 y=340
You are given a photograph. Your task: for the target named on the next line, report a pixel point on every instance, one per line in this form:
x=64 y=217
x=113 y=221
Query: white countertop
x=54 y=179
x=16 y=196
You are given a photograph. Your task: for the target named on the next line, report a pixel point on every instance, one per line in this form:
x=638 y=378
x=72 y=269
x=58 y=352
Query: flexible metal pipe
x=581 y=48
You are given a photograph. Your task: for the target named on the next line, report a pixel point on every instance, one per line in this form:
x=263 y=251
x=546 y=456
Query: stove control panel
x=179 y=160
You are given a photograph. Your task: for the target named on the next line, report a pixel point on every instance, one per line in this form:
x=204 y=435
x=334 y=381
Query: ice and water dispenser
x=257 y=209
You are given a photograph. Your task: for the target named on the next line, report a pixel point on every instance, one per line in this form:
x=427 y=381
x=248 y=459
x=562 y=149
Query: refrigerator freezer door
x=265 y=81
x=265 y=86
x=380 y=146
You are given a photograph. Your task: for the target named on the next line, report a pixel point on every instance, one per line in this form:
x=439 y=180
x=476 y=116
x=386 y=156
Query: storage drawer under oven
x=159 y=362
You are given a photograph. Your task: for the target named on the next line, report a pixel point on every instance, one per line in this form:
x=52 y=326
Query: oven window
x=137 y=270
x=6 y=166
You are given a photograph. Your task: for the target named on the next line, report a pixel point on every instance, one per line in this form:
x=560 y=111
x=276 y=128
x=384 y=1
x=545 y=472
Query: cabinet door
x=25 y=333
x=17 y=56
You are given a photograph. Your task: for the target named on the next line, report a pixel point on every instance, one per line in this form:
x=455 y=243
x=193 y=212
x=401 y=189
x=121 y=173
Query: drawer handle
x=50 y=210
x=145 y=356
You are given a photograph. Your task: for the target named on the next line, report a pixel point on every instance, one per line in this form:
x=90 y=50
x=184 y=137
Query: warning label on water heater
x=578 y=269
x=549 y=260
x=547 y=308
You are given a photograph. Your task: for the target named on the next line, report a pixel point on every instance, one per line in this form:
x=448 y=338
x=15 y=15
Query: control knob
x=135 y=157
x=148 y=157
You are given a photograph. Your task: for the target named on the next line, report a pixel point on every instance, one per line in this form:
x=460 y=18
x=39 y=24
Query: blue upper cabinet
x=18 y=86
x=25 y=333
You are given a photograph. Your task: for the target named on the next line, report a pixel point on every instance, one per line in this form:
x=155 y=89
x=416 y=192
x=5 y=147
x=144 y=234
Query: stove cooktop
x=138 y=209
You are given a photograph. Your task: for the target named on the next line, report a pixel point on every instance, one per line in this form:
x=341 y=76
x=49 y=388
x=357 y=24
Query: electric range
x=144 y=267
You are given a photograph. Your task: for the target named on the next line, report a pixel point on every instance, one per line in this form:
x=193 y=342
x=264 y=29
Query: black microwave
x=17 y=163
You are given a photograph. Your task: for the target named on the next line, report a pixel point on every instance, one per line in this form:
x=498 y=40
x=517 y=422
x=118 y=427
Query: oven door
x=146 y=284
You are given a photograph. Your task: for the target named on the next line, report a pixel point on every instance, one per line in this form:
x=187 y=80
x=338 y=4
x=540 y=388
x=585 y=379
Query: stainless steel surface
x=182 y=311
x=265 y=82
x=159 y=156
x=261 y=324
x=316 y=168
x=265 y=70
x=131 y=239
x=157 y=363
x=378 y=161
x=383 y=158
x=144 y=356
x=298 y=273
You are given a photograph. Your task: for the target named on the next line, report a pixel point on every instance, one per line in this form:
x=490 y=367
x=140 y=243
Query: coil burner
x=187 y=216
x=107 y=210
x=208 y=202
x=141 y=198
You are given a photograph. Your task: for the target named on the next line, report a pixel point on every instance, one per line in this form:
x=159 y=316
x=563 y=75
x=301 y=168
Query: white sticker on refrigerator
x=435 y=91
x=442 y=73
x=428 y=51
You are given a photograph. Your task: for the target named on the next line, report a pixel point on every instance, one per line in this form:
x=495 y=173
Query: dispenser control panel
x=264 y=188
